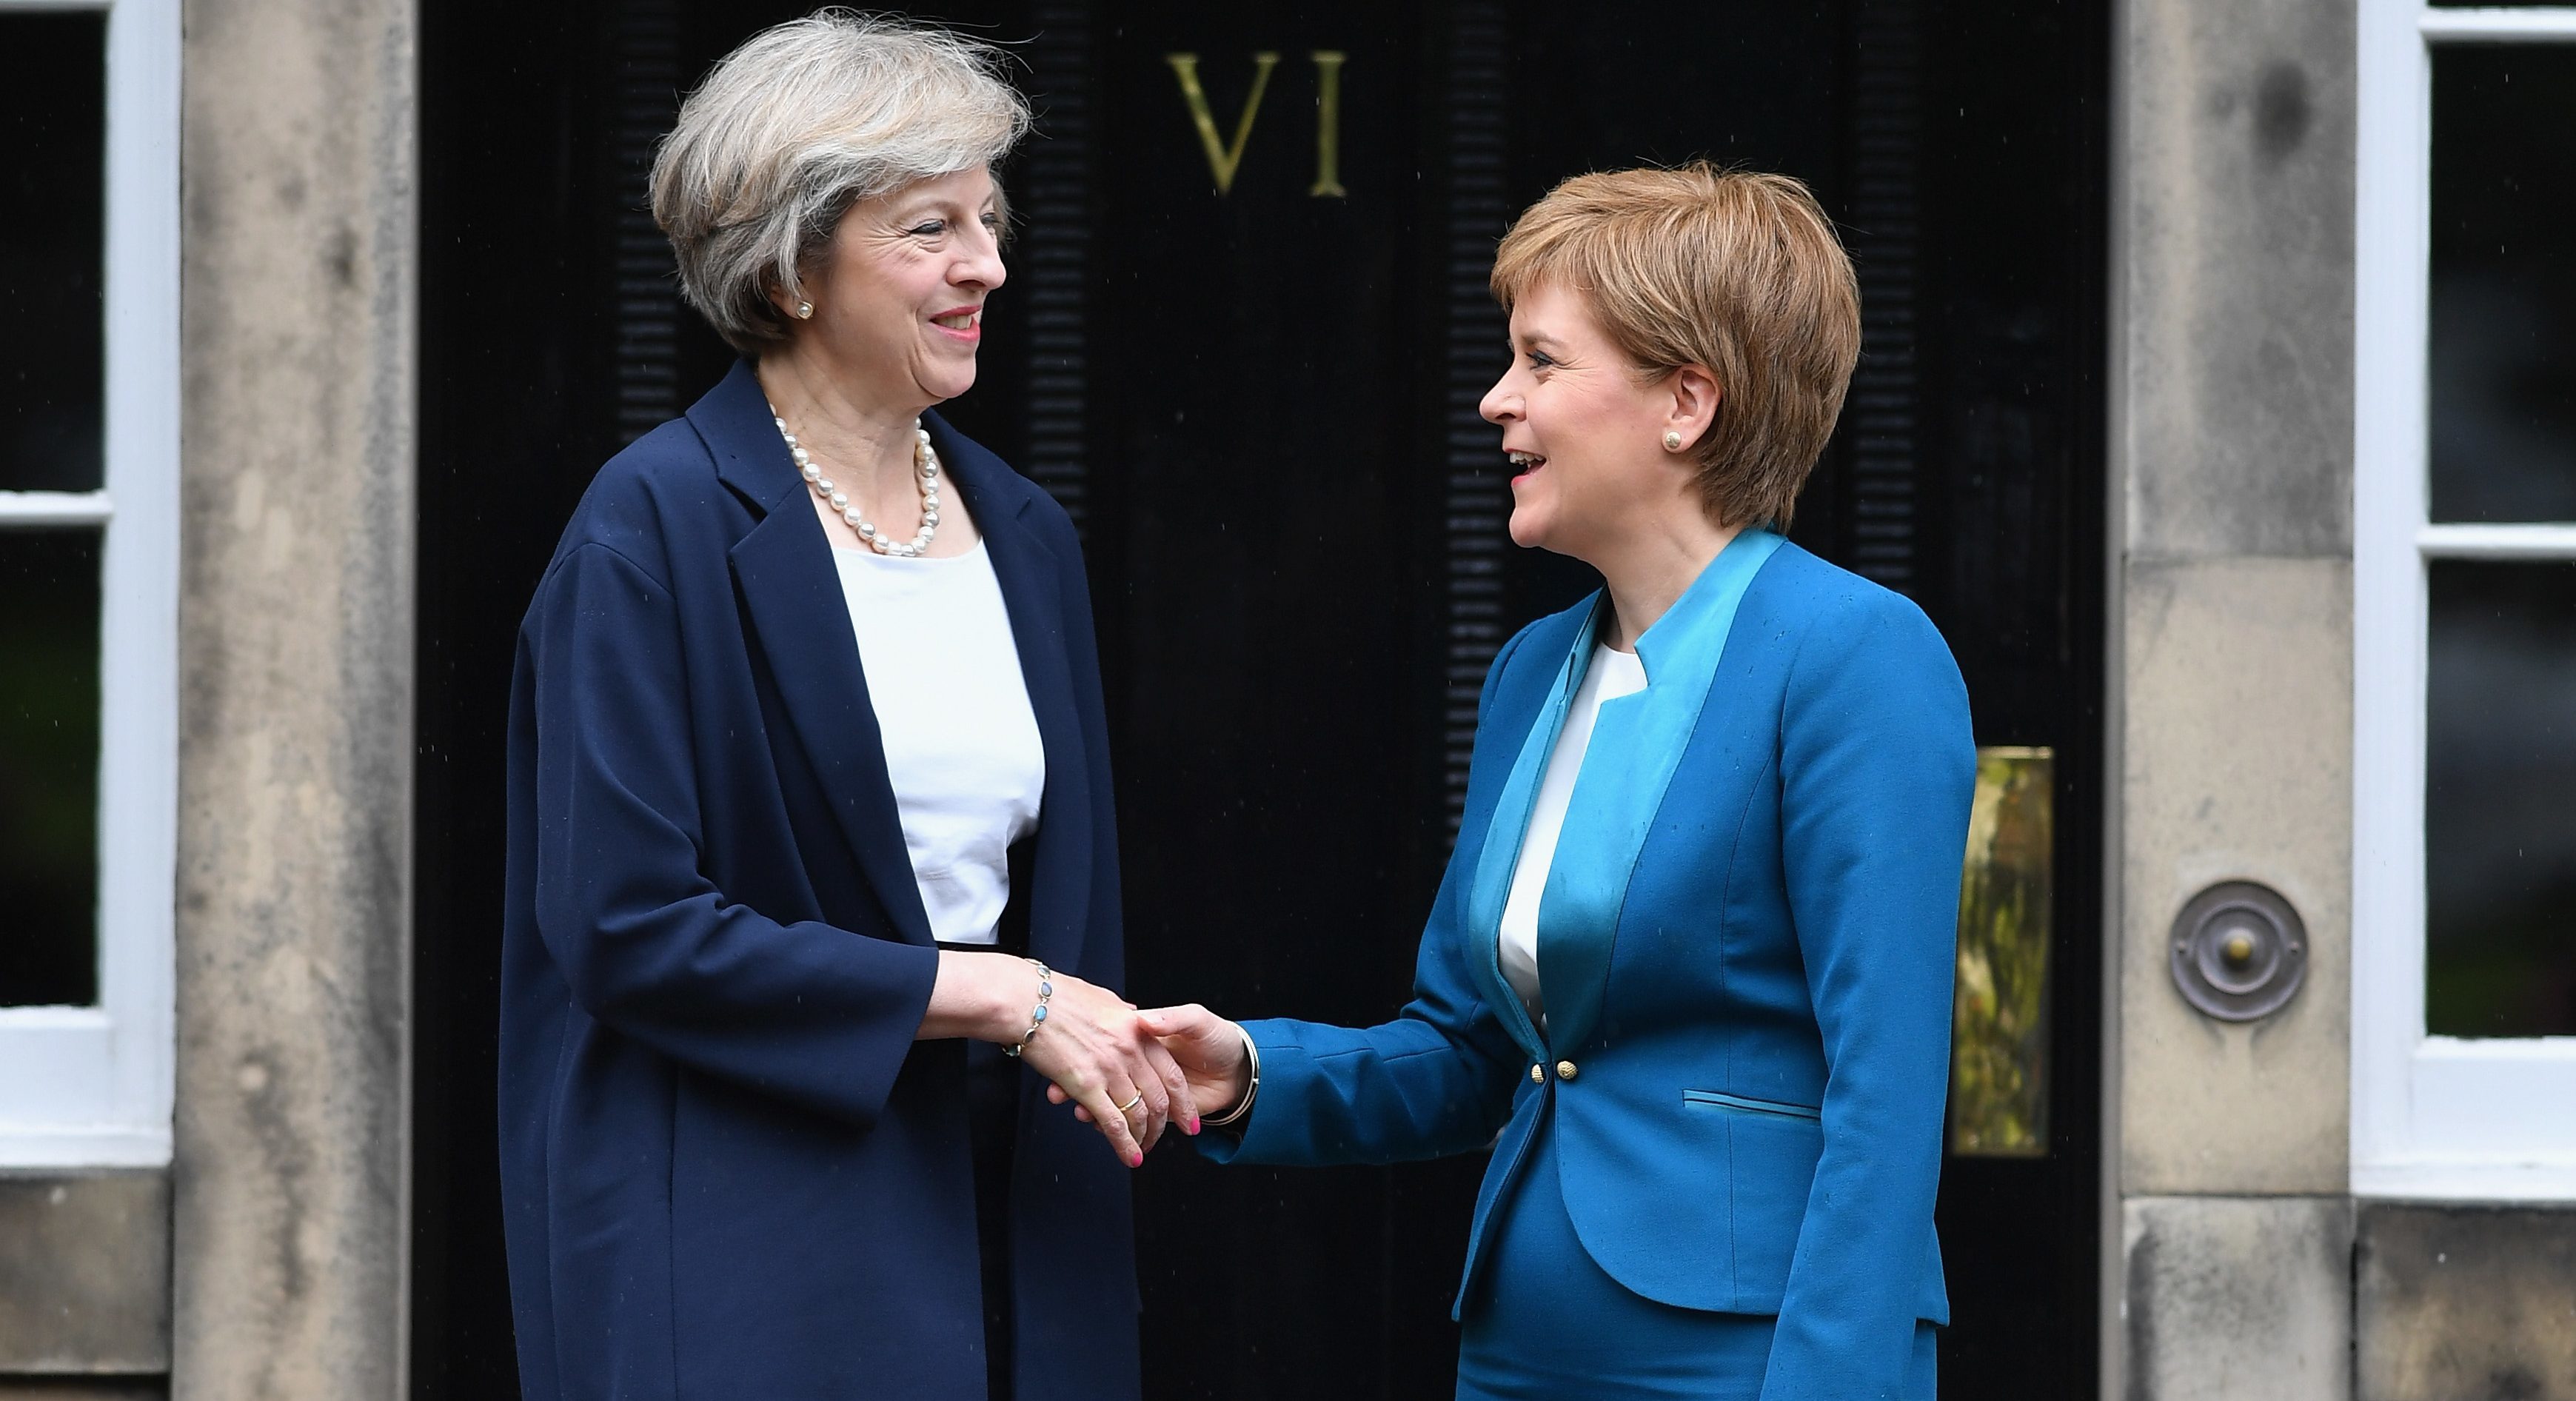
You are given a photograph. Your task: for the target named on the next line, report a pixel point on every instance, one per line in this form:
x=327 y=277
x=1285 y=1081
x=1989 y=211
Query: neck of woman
x=1649 y=567
x=864 y=443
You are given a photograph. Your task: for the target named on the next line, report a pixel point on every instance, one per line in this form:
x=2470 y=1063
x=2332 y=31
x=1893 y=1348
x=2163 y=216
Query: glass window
x=89 y=549
x=49 y=673
x=53 y=123
x=2464 y=587
x=2499 y=826
x=2503 y=294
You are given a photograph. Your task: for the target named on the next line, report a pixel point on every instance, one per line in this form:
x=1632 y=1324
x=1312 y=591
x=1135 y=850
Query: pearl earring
x=1672 y=442
x=804 y=311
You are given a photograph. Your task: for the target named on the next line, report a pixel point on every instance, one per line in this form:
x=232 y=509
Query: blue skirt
x=1545 y=1322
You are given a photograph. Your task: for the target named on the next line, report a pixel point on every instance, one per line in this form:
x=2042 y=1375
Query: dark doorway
x=1260 y=404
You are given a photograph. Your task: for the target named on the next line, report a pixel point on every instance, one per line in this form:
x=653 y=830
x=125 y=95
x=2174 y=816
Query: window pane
x=2499 y=821
x=53 y=124
x=2503 y=373
x=1999 y=1019
x=48 y=767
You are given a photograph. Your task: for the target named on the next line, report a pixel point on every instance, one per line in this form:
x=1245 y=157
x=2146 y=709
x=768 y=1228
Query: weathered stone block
x=2237 y=1298
x=2233 y=353
x=84 y=1273
x=2466 y=1303
x=2236 y=764
x=299 y=278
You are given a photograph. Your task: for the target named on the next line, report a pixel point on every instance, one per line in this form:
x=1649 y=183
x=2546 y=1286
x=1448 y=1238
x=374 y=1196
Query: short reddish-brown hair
x=1738 y=272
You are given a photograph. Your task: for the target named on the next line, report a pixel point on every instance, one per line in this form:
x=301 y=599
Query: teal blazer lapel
x=1637 y=742
x=1501 y=855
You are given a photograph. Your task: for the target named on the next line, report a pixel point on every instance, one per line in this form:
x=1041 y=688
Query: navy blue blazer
x=728 y=1168
x=1746 y=1062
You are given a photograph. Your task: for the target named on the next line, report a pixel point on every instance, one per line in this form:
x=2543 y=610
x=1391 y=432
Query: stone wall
x=2459 y=1302
x=2246 y=1269
x=2231 y=412
x=268 y=1263
x=84 y=1284
x=289 y=1218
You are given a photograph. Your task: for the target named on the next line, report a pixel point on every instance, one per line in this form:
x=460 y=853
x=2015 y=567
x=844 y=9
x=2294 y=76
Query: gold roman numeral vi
x=1225 y=158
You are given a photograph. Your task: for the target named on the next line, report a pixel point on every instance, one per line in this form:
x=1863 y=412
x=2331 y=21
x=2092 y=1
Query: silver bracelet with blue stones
x=1037 y=1014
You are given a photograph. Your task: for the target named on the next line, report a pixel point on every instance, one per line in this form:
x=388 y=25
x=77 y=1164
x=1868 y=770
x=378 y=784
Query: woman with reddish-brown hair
x=1692 y=958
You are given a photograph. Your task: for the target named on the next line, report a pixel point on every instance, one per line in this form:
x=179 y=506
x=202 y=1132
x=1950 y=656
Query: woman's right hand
x=1098 y=1054
x=1091 y=1045
x=1210 y=1052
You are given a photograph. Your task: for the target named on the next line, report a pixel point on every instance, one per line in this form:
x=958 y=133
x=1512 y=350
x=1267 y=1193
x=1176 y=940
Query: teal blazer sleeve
x=1877 y=769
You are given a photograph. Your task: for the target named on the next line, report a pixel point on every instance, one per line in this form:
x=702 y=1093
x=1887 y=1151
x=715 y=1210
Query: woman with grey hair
x=811 y=847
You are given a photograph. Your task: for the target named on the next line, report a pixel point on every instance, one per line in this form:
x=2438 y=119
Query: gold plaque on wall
x=1999 y=1019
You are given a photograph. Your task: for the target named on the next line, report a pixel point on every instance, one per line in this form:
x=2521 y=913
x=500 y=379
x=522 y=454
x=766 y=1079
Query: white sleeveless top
x=1610 y=675
x=961 y=742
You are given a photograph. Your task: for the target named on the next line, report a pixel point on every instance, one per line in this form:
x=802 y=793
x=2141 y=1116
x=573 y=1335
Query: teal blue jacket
x=1756 y=1013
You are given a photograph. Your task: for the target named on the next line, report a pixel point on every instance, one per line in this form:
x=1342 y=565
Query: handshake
x=1129 y=1072
x=1183 y=1062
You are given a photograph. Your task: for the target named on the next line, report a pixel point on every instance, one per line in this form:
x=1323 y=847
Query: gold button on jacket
x=1538 y=1075
x=1565 y=1070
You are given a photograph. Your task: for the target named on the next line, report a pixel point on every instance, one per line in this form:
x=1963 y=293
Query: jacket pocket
x=1718 y=1099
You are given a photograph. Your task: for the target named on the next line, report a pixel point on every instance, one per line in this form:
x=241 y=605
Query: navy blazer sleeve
x=647 y=942
x=1875 y=753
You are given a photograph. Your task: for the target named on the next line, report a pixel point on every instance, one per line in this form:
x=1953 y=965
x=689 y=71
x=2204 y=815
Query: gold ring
x=1131 y=1104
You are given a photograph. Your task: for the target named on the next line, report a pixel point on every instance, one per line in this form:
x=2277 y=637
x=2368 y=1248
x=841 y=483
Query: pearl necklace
x=925 y=462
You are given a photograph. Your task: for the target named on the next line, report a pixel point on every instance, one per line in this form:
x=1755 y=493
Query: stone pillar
x=2231 y=412
x=289 y=1214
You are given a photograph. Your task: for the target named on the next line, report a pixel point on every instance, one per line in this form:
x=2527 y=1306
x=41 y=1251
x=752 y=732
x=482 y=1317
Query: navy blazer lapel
x=1059 y=897
x=792 y=593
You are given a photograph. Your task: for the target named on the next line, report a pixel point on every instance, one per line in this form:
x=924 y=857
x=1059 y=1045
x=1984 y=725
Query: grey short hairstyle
x=802 y=121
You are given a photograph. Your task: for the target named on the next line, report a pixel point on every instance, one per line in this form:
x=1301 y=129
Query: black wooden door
x=1247 y=355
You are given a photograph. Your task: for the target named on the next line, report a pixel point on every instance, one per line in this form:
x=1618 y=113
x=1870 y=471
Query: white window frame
x=2433 y=1117
x=91 y=1086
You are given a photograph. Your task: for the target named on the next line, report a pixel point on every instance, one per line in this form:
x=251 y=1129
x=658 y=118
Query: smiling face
x=899 y=293
x=1585 y=432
